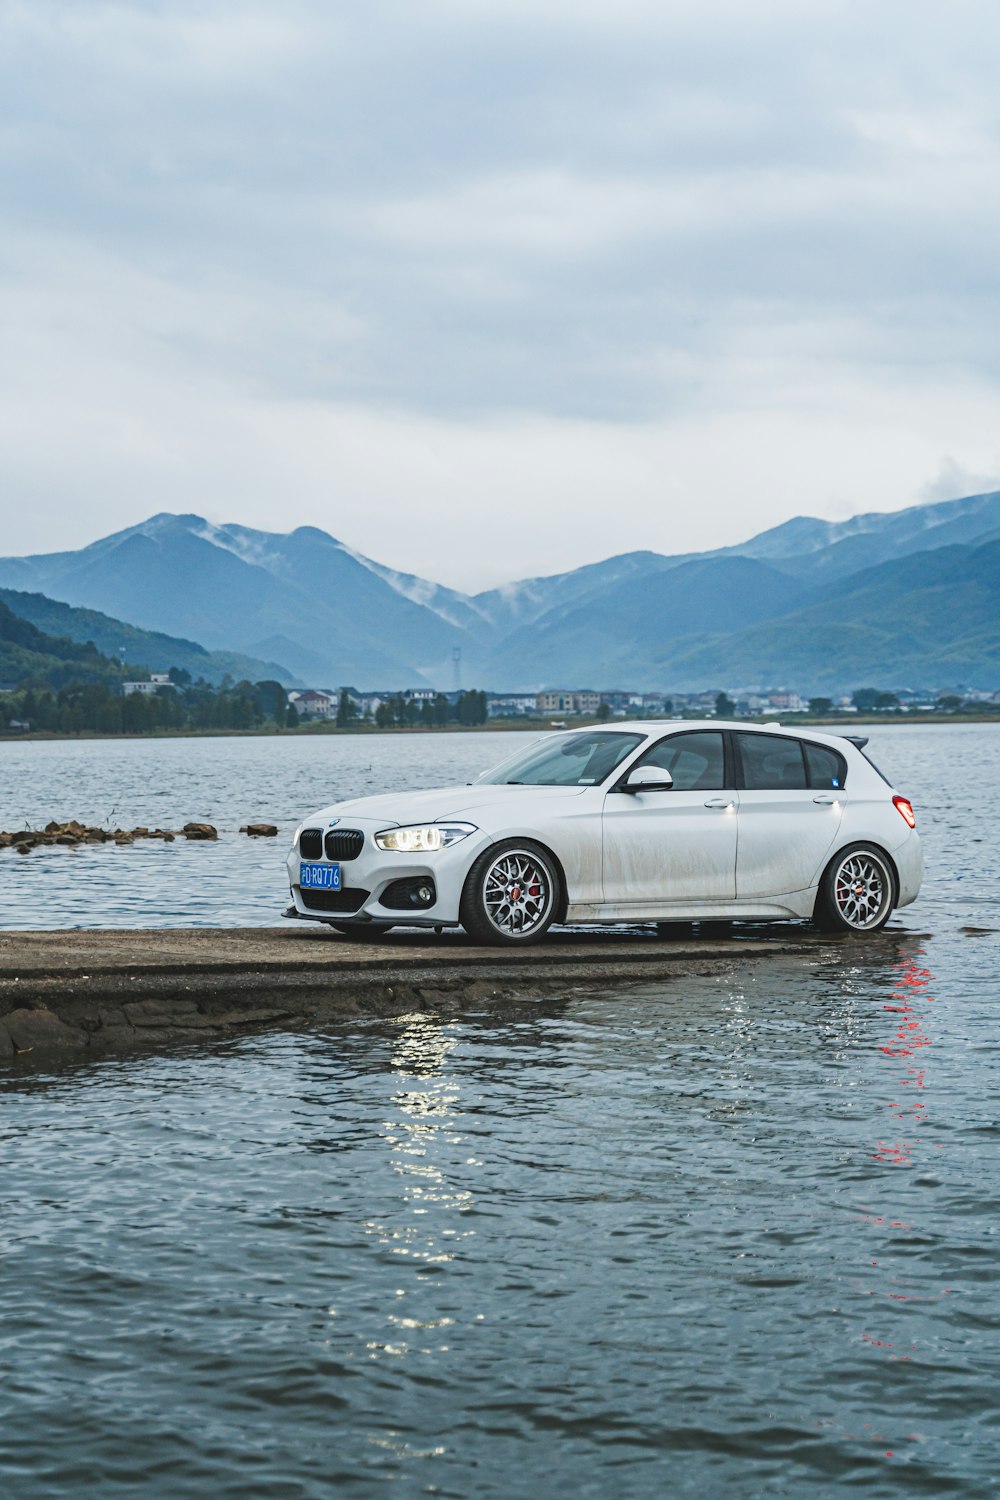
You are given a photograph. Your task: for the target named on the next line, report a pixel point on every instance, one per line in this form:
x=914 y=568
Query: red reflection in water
x=908 y=1008
x=910 y=1037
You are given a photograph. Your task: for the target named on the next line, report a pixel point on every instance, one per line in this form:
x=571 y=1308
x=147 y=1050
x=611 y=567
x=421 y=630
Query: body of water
x=234 y=882
x=729 y=1235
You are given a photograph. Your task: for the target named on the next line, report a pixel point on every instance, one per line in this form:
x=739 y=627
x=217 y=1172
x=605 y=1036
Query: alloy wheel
x=861 y=888
x=517 y=893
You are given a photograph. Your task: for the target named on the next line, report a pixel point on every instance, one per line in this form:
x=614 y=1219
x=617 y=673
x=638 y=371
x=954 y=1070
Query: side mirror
x=647 y=779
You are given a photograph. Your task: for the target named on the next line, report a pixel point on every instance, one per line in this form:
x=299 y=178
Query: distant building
x=313 y=704
x=156 y=681
x=511 y=705
x=696 y=703
x=620 y=700
x=369 y=703
x=568 y=701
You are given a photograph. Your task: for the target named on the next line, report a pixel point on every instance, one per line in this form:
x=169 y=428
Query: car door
x=675 y=847
x=792 y=800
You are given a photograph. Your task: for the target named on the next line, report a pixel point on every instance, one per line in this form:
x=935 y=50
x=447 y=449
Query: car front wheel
x=857 y=892
x=511 y=894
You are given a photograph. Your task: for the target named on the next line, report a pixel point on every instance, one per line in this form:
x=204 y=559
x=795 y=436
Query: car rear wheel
x=511 y=894
x=857 y=892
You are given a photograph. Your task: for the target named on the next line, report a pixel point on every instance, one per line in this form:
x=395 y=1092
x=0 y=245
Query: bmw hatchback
x=632 y=823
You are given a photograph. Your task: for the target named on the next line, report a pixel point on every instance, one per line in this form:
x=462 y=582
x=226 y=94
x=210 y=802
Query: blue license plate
x=315 y=877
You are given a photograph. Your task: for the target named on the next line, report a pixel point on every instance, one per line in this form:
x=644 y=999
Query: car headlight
x=421 y=838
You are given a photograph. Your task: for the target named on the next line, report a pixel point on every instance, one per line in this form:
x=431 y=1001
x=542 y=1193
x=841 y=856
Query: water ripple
x=717 y=1236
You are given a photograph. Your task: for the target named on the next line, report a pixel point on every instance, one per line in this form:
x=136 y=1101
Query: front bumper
x=366 y=879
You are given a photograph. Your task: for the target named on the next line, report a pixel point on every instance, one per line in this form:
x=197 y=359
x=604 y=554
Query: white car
x=641 y=822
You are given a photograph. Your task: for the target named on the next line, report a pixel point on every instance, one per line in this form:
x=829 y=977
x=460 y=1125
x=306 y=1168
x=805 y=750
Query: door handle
x=827 y=799
x=720 y=804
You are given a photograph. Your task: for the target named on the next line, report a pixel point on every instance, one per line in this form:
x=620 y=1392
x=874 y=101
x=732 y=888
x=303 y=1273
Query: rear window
x=774 y=762
x=827 y=768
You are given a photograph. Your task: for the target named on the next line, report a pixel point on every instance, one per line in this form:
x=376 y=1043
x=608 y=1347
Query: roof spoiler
x=860 y=740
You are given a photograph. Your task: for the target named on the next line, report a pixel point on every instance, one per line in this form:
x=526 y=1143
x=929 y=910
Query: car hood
x=461 y=802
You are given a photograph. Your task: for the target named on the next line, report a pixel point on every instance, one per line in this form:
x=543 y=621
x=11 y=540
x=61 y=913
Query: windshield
x=581 y=758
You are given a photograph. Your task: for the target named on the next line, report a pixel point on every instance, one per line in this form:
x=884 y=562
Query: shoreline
x=97 y=993
x=493 y=726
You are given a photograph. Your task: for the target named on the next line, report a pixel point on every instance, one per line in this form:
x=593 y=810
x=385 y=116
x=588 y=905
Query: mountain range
x=909 y=598
x=139 y=648
x=29 y=653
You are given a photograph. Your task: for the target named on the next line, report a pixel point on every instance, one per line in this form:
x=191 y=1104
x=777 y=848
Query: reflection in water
x=907 y=1007
x=909 y=1039
x=426 y=1229
x=610 y=1244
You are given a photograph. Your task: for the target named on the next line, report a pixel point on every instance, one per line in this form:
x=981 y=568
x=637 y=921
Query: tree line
x=399 y=712
x=877 y=700
x=97 y=708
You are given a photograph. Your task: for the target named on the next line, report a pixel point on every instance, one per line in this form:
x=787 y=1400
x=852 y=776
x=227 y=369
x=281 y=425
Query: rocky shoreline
x=72 y=834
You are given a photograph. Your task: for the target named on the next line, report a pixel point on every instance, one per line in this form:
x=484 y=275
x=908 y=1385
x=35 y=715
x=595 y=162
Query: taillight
x=905 y=809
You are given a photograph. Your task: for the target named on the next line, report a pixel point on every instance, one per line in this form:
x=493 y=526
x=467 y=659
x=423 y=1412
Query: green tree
x=346 y=710
x=135 y=715
x=272 y=700
x=244 y=713
x=725 y=708
x=820 y=706
x=604 y=712
x=291 y=717
x=471 y=708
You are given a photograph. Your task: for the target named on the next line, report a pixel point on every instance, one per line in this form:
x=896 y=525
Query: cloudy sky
x=490 y=288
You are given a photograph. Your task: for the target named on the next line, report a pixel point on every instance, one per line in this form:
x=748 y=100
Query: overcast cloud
x=489 y=288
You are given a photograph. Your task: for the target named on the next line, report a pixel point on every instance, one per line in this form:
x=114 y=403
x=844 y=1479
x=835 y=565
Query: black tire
x=362 y=932
x=857 y=892
x=511 y=894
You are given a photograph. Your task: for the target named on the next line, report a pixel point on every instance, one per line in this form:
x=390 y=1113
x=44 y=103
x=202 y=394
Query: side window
x=827 y=769
x=771 y=763
x=695 y=761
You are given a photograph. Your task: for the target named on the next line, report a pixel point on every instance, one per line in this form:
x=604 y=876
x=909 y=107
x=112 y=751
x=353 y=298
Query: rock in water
x=199 y=831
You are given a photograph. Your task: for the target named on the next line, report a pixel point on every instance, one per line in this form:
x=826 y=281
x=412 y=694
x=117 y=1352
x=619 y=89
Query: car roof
x=672 y=726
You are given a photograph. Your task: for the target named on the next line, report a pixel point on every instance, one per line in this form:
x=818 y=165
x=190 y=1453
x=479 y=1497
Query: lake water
x=731 y=1235
x=236 y=881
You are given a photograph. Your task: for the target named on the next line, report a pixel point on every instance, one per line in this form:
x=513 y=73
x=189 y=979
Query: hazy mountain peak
x=332 y=614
